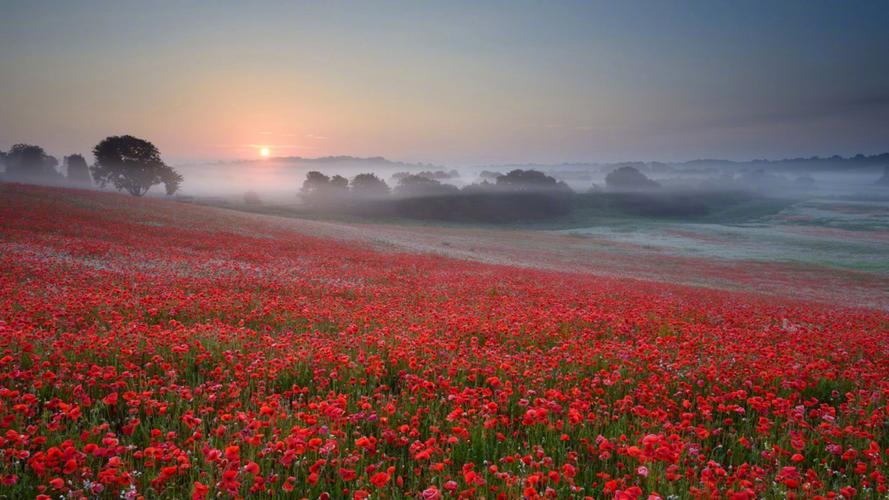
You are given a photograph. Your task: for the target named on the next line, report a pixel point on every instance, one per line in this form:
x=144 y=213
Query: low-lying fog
x=825 y=212
x=280 y=180
x=570 y=194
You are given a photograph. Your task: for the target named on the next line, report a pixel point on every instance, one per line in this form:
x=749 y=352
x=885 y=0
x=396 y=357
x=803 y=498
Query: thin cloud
x=256 y=146
x=273 y=146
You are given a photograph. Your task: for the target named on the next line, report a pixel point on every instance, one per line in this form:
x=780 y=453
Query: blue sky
x=450 y=82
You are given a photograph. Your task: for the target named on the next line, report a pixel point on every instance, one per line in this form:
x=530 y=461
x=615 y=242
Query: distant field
x=826 y=233
x=797 y=248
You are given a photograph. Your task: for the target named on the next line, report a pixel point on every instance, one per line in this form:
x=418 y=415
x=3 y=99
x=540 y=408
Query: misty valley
x=831 y=212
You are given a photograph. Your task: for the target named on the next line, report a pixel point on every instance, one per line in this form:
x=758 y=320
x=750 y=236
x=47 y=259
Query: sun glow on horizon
x=264 y=152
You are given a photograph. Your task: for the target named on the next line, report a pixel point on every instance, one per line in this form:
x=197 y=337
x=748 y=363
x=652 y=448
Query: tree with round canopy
x=133 y=165
x=30 y=163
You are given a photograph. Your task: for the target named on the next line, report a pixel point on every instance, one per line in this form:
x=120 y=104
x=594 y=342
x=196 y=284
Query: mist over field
x=827 y=212
x=280 y=177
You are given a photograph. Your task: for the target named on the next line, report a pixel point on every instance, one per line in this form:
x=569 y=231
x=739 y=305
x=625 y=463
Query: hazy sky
x=449 y=82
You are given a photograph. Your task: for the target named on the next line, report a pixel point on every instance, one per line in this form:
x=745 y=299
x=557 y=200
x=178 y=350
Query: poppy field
x=152 y=349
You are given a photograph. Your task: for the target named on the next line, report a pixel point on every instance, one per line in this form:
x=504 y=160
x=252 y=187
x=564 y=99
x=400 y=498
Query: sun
x=264 y=152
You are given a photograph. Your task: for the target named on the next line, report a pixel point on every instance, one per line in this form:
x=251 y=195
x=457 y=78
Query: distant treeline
x=125 y=162
x=517 y=196
x=715 y=166
x=808 y=165
x=31 y=164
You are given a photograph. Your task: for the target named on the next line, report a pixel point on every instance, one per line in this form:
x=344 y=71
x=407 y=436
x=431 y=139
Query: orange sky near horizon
x=454 y=83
